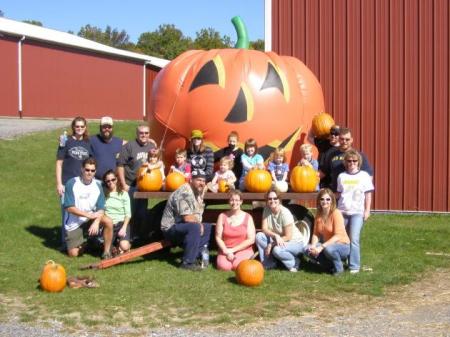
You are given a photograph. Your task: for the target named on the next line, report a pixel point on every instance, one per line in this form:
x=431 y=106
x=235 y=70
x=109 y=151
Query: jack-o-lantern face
x=264 y=96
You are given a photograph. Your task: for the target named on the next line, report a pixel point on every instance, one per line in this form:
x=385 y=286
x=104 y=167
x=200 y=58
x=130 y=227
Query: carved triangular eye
x=243 y=108
x=273 y=79
x=208 y=74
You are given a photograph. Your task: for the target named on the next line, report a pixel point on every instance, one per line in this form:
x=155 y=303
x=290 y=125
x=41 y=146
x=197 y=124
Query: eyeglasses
x=110 y=181
x=325 y=199
x=89 y=170
x=271 y=199
x=352 y=160
x=144 y=133
x=79 y=126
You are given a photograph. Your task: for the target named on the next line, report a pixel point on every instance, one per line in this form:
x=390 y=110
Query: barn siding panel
x=9 y=71
x=79 y=84
x=384 y=69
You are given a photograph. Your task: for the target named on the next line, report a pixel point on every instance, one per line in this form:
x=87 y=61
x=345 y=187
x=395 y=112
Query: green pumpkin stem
x=241 y=31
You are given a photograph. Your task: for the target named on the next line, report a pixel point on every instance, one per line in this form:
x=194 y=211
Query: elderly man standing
x=84 y=202
x=334 y=162
x=106 y=147
x=182 y=221
x=131 y=158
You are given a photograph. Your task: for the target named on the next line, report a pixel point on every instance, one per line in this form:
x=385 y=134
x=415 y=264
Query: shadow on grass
x=51 y=237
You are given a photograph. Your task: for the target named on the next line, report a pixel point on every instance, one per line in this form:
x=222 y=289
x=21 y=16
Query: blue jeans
x=188 y=236
x=138 y=214
x=331 y=257
x=353 y=226
x=287 y=255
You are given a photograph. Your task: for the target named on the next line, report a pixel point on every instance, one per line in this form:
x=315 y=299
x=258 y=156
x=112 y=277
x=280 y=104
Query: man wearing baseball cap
x=182 y=221
x=106 y=147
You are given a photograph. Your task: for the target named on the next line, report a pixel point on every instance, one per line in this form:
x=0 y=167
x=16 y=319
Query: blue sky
x=139 y=16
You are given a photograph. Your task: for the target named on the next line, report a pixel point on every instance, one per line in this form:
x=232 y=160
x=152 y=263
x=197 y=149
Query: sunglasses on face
x=352 y=160
x=273 y=198
x=144 y=133
x=106 y=126
x=79 y=126
x=325 y=199
x=110 y=180
x=89 y=170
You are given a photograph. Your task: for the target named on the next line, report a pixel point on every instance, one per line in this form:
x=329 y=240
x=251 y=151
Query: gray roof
x=16 y=28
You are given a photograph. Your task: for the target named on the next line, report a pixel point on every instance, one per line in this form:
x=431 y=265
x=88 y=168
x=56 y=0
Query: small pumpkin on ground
x=53 y=277
x=250 y=273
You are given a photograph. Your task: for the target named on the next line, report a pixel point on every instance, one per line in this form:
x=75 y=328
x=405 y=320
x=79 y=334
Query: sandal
x=76 y=282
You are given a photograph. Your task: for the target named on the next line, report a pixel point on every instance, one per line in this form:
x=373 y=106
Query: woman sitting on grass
x=280 y=239
x=117 y=210
x=235 y=234
x=330 y=244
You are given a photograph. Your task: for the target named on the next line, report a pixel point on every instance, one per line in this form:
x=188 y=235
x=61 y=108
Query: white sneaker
x=354 y=271
x=293 y=270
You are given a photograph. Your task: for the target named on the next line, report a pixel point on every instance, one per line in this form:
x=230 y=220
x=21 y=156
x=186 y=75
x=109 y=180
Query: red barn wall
x=63 y=82
x=384 y=69
x=9 y=96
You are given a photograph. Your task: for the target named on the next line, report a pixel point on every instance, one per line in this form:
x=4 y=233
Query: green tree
x=211 y=39
x=110 y=37
x=167 y=42
x=257 y=45
x=34 y=22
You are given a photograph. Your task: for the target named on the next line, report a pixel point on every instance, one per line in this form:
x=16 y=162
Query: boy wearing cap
x=182 y=220
x=200 y=156
x=106 y=147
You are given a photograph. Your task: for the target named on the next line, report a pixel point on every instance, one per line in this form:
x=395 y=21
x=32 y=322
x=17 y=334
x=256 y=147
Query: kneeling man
x=182 y=220
x=84 y=202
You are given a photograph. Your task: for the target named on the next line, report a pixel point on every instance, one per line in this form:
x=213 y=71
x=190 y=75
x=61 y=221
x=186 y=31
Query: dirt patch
x=11 y=128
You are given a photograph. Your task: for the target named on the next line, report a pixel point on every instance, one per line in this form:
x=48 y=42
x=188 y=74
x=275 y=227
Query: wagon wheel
x=304 y=219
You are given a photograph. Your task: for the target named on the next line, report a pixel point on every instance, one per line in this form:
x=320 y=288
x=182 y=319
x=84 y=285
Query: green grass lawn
x=151 y=290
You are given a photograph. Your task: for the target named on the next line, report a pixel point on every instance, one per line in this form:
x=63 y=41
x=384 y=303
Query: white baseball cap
x=106 y=121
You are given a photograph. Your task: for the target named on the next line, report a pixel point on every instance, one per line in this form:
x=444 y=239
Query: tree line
x=166 y=42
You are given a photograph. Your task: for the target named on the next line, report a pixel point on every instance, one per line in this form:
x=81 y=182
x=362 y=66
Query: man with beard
x=106 y=147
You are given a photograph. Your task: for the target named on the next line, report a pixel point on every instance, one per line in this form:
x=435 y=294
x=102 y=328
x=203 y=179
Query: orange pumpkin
x=174 y=180
x=258 y=181
x=223 y=186
x=53 y=277
x=250 y=273
x=151 y=181
x=304 y=179
x=321 y=124
x=260 y=95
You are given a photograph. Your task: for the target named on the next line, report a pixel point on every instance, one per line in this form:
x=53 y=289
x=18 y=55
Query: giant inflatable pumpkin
x=260 y=95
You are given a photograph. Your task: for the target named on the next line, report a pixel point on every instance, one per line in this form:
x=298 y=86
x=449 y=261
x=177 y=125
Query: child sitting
x=307 y=158
x=279 y=169
x=154 y=162
x=181 y=165
x=250 y=160
x=225 y=173
x=234 y=152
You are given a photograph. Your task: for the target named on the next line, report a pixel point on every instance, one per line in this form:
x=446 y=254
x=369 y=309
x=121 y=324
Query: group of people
x=96 y=180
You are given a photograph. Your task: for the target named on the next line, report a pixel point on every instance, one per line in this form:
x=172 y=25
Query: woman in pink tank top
x=235 y=234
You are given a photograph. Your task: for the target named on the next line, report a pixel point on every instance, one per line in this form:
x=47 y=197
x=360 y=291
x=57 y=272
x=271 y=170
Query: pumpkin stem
x=241 y=31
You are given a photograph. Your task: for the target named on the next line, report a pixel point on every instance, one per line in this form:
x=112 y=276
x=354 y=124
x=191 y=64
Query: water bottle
x=205 y=256
x=63 y=139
